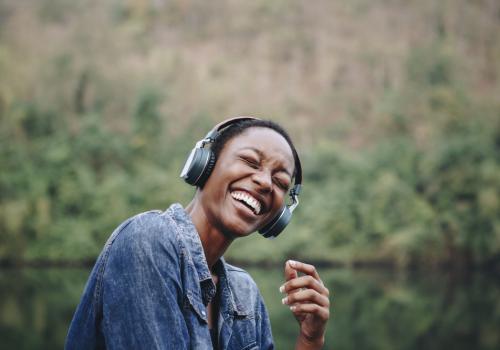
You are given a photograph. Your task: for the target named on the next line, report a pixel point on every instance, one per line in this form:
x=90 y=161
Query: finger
x=306 y=297
x=308 y=282
x=315 y=309
x=290 y=272
x=305 y=268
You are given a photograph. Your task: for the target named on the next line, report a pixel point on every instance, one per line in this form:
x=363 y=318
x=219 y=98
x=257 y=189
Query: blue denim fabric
x=150 y=286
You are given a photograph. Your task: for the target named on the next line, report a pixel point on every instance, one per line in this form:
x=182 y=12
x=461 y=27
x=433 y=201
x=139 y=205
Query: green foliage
x=66 y=183
x=96 y=128
x=413 y=198
x=64 y=190
x=147 y=119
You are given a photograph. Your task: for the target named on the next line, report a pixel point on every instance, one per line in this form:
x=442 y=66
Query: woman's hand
x=308 y=300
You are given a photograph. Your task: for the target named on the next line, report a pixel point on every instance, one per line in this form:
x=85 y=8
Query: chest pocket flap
x=194 y=304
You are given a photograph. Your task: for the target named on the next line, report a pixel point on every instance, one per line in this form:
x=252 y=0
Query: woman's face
x=249 y=183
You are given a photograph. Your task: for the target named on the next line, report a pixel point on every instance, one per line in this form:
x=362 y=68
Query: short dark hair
x=237 y=128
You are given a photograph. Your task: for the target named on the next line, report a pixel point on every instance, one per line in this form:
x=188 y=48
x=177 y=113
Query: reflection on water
x=371 y=309
x=383 y=310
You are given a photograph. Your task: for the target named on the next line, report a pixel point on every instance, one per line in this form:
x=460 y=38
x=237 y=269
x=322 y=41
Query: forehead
x=267 y=141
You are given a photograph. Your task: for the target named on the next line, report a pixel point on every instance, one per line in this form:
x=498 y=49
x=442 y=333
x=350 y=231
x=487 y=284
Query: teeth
x=248 y=199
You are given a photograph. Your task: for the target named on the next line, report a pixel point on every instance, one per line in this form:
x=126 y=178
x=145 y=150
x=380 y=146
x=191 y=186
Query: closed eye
x=281 y=184
x=251 y=162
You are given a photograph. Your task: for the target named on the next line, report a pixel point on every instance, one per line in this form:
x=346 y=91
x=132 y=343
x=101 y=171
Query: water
x=371 y=309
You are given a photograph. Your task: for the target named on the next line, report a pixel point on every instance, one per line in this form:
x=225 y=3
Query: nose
x=263 y=180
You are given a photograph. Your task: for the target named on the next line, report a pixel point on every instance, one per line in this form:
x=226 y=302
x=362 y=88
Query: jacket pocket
x=243 y=336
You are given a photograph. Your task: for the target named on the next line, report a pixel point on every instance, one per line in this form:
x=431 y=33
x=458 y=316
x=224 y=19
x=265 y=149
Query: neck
x=214 y=242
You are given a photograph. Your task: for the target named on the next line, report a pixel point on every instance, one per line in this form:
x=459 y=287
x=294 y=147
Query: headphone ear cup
x=195 y=170
x=277 y=224
x=209 y=166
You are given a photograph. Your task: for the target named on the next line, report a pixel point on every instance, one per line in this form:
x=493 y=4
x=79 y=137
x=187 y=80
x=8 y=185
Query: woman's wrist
x=304 y=342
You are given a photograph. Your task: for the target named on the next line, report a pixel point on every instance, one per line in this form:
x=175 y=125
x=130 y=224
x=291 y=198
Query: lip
x=259 y=198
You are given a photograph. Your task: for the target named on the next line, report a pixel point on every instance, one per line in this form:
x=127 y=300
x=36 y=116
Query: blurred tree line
x=407 y=174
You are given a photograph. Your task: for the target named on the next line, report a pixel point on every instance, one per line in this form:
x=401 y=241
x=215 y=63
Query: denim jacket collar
x=230 y=305
x=192 y=241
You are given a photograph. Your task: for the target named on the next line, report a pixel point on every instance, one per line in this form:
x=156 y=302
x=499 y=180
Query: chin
x=238 y=229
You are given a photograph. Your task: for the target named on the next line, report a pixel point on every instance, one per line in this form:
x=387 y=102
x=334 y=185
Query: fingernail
x=282 y=289
x=284 y=301
x=292 y=263
x=292 y=308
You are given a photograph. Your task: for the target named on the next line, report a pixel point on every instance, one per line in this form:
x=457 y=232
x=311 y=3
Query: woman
x=161 y=281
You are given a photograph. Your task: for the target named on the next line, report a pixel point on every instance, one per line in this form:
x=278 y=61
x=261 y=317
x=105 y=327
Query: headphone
x=201 y=162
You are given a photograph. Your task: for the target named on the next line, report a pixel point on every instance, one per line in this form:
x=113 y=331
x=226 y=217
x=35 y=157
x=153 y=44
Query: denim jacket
x=150 y=286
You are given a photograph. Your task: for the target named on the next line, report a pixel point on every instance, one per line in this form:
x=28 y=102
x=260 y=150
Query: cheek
x=226 y=172
x=217 y=185
x=278 y=201
x=216 y=178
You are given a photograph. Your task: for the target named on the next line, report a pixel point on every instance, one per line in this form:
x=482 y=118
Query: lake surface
x=371 y=309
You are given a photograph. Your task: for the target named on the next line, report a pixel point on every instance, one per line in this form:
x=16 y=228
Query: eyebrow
x=261 y=154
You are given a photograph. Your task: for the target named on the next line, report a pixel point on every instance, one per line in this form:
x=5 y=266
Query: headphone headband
x=215 y=132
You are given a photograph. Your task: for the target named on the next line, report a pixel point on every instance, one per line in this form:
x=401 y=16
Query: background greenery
x=393 y=105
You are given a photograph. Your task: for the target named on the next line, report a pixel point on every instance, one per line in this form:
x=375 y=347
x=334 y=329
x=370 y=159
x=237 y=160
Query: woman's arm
x=308 y=300
x=140 y=289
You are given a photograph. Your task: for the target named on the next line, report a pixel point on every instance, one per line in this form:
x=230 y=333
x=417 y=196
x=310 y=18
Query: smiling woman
x=161 y=281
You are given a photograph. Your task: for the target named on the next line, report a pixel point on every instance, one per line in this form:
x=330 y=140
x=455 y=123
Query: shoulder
x=240 y=276
x=144 y=232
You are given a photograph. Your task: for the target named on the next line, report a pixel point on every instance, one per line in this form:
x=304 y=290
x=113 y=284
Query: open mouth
x=248 y=200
